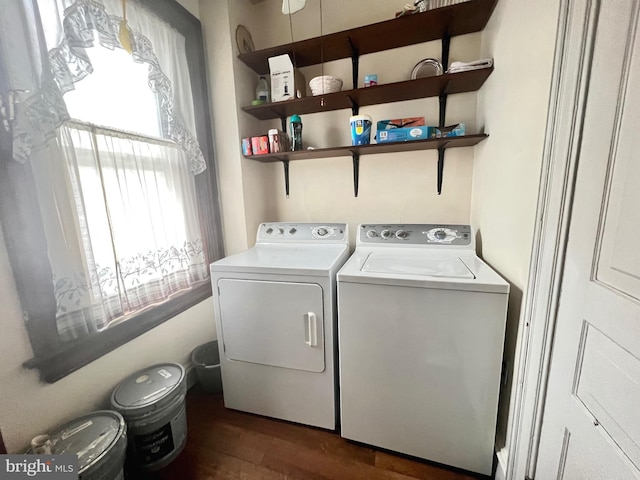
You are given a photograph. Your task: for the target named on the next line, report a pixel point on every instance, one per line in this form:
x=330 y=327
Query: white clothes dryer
x=421 y=333
x=275 y=307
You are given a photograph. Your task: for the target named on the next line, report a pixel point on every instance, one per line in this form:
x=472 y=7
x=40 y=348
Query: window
x=111 y=226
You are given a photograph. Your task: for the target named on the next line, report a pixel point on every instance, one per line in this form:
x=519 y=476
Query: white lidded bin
x=99 y=440
x=152 y=402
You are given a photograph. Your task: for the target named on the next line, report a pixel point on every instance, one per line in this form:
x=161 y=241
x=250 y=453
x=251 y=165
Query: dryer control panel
x=416 y=234
x=285 y=232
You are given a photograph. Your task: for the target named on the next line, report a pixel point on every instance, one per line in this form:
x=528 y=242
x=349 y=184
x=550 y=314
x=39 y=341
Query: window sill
x=78 y=354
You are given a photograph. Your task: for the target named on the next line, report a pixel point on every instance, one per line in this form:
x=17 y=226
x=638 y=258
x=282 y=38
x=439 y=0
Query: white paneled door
x=591 y=423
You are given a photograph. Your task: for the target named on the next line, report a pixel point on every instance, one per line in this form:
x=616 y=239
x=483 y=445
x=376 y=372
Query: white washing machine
x=275 y=307
x=421 y=332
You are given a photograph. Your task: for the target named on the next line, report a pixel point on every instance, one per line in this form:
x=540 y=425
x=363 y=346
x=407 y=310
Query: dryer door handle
x=311 y=330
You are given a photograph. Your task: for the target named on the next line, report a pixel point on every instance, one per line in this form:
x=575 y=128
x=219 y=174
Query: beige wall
x=493 y=185
x=393 y=187
x=513 y=107
x=246 y=187
x=29 y=407
x=191 y=6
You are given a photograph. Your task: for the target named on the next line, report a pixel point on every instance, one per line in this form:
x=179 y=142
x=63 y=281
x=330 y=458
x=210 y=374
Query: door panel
x=589 y=454
x=279 y=324
x=591 y=427
x=619 y=262
x=607 y=386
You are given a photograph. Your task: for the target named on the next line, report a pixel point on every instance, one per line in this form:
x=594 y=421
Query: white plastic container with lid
x=152 y=403
x=98 y=439
x=360 y=129
x=262 y=90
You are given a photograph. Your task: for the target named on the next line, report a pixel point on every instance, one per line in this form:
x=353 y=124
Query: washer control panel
x=415 y=234
x=283 y=232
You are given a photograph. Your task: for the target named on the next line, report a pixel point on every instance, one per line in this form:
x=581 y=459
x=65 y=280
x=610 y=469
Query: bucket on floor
x=152 y=403
x=206 y=360
x=99 y=440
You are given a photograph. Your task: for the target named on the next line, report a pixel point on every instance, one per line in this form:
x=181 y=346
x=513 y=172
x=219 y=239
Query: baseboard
x=501 y=468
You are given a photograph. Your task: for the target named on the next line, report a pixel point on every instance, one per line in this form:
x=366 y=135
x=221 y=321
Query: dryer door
x=280 y=324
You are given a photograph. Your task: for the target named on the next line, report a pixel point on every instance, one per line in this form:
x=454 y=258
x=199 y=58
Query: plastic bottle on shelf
x=262 y=90
x=296 y=132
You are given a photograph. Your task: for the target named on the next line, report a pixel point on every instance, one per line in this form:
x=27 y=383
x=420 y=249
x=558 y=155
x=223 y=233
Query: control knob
x=371 y=234
x=322 y=231
x=401 y=234
x=292 y=231
x=440 y=234
x=280 y=231
x=385 y=233
x=269 y=231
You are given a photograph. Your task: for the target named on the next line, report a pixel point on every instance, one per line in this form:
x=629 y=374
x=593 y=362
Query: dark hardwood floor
x=226 y=444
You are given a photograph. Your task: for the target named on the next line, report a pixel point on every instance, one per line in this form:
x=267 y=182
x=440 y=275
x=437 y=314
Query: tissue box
x=400 y=123
x=285 y=80
x=457 y=130
x=404 y=134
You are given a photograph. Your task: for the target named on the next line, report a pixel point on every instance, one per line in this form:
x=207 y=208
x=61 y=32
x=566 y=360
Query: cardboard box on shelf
x=457 y=130
x=278 y=141
x=400 y=123
x=388 y=132
x=286 y=81
x=260 y=145
x=404 y=134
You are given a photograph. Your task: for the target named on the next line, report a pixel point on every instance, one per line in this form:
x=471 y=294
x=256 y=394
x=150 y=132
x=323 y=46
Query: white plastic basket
x=325 y=84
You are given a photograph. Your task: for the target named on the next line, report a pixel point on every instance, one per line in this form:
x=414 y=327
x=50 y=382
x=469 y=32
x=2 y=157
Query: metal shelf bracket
x=355 y=156
x=441 y=150
x=355 y=108
x=446 y=43
x=285 y=163
x=355 y=58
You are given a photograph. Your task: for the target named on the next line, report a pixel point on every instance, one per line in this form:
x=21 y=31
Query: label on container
x=371 y=80
x=151 y=447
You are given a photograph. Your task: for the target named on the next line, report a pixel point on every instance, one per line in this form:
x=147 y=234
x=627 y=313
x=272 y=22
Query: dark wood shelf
x=428 y=144
x=467 y=17
x=390 y=92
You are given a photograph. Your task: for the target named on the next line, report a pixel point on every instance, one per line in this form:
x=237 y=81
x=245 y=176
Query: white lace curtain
x=44 y=44
x=134 y=244
x=119 y=210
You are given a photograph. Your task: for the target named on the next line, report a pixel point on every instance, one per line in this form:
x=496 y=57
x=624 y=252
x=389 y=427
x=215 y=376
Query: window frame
x=26 y=244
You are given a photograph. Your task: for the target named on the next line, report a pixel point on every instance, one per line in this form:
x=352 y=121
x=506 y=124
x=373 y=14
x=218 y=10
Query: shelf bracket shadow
x=355 y=59
x=355 y=156
x=283 y=122
x=285 y=163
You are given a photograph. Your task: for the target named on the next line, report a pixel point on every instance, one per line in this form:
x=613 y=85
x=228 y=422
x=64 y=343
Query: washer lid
x=451 y=267
x=409 y=267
